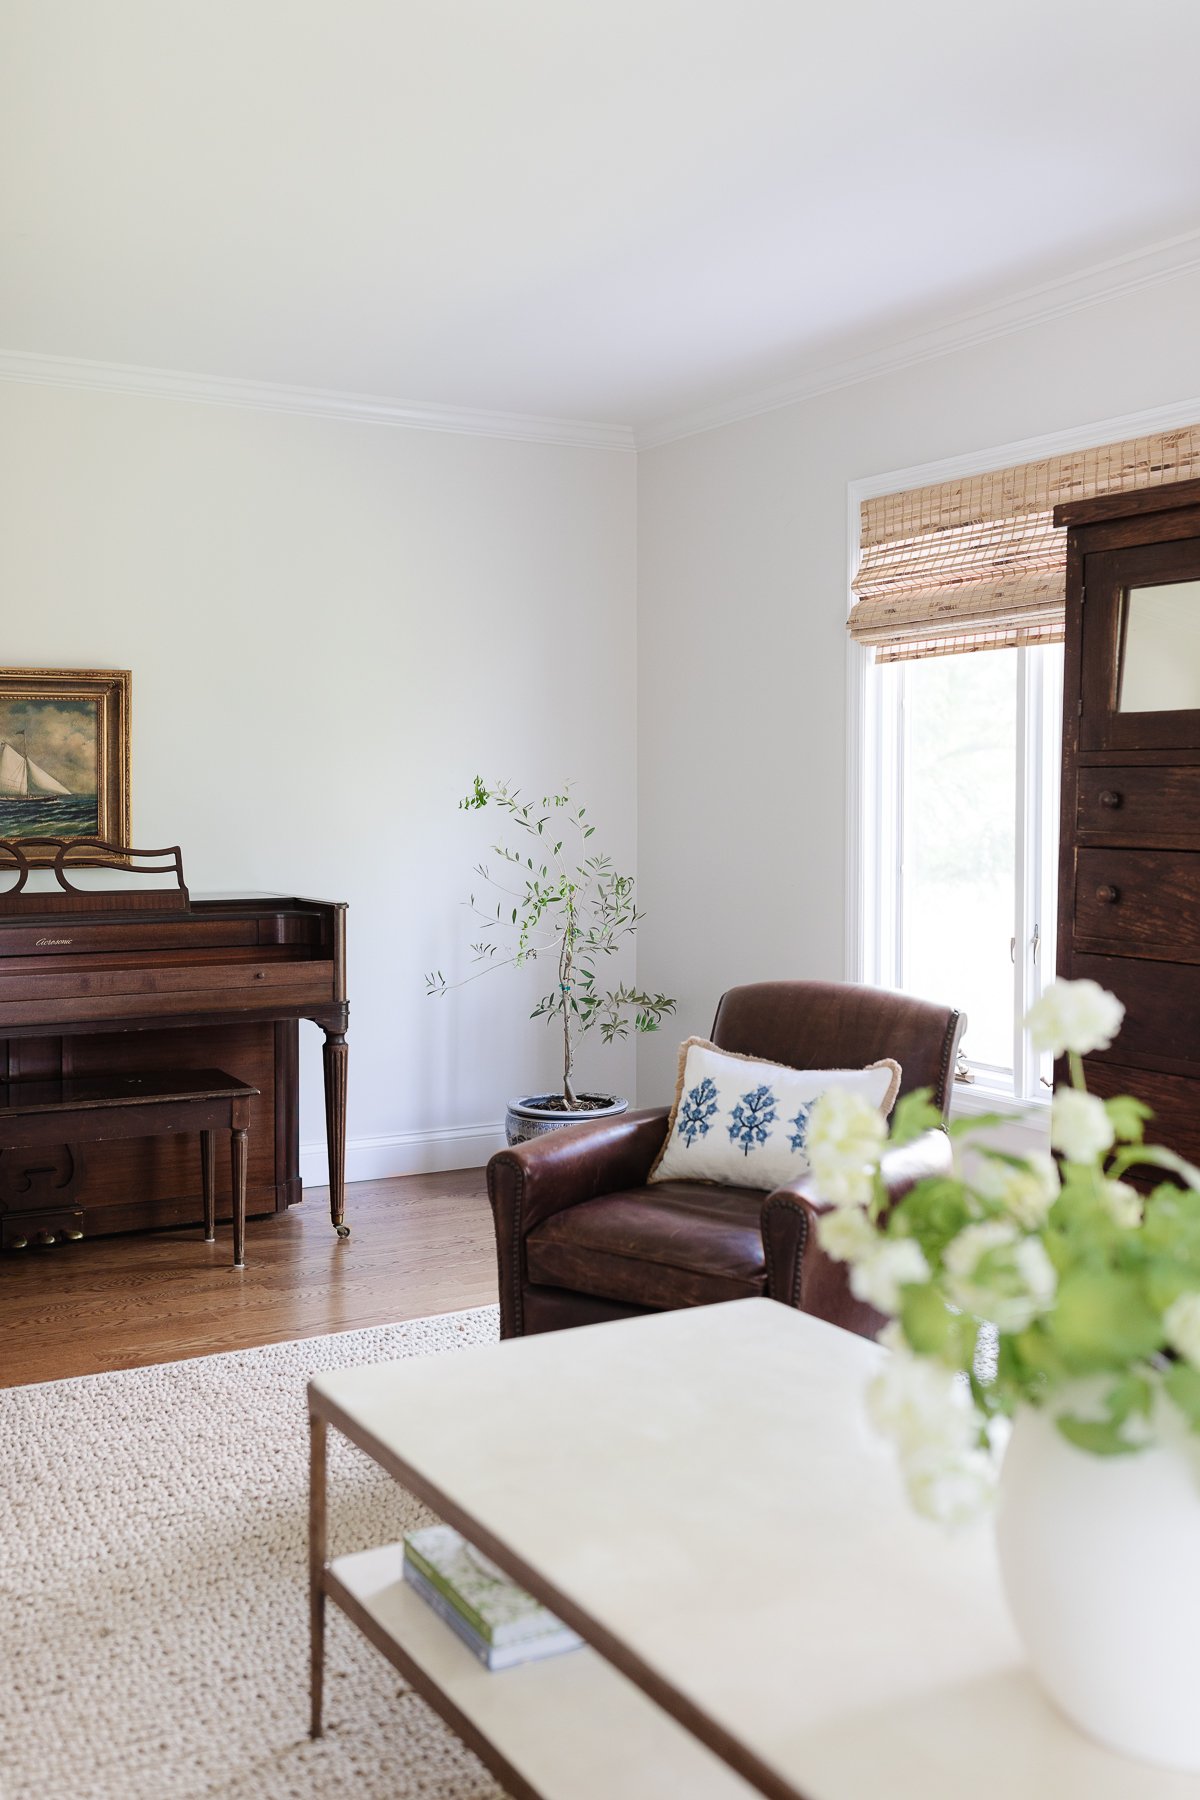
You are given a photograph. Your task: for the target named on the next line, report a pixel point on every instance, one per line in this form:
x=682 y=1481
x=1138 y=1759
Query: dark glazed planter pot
x=531 y=1117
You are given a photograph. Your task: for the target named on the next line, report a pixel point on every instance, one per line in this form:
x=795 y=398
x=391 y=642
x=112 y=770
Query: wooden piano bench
x=96 y=1108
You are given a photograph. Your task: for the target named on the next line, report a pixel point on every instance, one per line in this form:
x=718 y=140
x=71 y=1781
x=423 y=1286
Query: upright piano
x=98 y=983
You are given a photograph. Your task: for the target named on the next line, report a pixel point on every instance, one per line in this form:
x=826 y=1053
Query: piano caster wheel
x=343 y=1231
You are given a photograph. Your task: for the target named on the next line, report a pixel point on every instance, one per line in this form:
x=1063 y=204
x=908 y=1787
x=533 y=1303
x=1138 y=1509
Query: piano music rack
x=74 y=856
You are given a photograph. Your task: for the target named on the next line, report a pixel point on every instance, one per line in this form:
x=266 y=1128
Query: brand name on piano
x=40 y=941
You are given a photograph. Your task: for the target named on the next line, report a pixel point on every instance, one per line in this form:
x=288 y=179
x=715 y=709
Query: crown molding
x=1164 y=261
x=322 y=403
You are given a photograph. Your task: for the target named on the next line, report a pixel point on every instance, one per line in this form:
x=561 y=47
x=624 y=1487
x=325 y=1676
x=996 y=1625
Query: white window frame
x=873 y=776
x=1038 y=735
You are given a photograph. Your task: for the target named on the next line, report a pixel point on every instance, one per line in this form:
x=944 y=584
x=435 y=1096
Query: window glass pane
x=959 y=854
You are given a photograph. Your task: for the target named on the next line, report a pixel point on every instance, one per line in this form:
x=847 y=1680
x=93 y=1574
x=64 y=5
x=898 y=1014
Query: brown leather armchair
x=580 y=1237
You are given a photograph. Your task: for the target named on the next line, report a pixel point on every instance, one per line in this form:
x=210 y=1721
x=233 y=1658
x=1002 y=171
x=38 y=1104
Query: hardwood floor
x=419 y=1244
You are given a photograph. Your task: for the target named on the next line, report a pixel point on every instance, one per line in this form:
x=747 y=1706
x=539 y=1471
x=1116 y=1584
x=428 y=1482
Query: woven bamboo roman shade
x=978 y=564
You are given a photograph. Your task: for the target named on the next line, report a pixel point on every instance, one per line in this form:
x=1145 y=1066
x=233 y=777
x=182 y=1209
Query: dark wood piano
x=102 y=982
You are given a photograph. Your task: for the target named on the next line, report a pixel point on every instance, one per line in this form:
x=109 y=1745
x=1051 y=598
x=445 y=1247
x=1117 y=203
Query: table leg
x=238 y=1137
x=335 y=1056
x=208 y=1176
x=317 y=1430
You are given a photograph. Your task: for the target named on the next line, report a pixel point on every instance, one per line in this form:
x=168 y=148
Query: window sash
x=1039 y=705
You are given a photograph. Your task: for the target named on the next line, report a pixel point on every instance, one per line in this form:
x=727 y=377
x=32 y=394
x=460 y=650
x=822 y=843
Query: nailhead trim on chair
x=794 y=1298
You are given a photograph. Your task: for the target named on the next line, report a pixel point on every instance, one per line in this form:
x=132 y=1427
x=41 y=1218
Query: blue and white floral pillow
x=745 y=1122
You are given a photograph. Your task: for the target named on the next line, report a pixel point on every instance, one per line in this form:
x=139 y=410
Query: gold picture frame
x=64 y=757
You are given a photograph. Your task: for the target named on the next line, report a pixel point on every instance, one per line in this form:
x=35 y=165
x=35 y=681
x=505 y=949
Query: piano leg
x=335 y=1056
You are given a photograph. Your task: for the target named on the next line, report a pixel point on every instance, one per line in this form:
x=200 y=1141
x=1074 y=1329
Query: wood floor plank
x=419 y=1244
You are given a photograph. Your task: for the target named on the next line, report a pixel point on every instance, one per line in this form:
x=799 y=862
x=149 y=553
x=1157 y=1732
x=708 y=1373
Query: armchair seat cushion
x=679 y=1243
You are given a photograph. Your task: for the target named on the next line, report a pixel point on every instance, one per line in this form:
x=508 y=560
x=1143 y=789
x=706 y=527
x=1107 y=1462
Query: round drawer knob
x=1108 y=896
x=1110 y=797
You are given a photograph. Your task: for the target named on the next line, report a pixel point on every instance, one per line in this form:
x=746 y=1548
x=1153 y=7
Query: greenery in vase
x=560 y=901
x=1019 y=1280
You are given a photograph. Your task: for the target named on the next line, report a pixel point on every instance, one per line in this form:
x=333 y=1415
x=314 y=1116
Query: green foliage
x=558 y=900
x=1128 y=1117
x=1103 y=1320
x=1182 y=1383
x=1038 y=1283
x=914 y=1114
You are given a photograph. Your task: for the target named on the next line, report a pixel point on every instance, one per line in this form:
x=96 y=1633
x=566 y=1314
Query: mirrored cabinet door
x=1141 y=648
x=1158 y=668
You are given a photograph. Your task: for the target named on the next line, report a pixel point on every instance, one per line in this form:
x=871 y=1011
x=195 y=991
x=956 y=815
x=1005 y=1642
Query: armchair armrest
x=529 y=1182
x=798 y=1271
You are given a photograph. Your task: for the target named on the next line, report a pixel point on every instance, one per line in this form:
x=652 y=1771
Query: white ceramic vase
x=1100 y=1559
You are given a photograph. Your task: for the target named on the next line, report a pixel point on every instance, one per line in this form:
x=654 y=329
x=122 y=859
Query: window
x=961 y=846
x=959 y=574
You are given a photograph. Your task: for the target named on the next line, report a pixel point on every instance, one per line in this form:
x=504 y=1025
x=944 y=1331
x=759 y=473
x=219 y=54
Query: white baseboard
x=405 y=1153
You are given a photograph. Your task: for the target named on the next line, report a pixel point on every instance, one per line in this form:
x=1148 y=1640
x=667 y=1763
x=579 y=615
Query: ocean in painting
x=73 y=815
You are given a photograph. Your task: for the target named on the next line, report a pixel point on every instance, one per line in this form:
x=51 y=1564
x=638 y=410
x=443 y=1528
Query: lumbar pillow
x=745 y=1122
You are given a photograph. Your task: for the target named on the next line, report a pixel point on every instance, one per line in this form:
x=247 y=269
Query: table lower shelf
x=568 y=1728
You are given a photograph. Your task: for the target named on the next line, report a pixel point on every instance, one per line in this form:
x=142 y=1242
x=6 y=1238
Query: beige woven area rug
x=153 y=1609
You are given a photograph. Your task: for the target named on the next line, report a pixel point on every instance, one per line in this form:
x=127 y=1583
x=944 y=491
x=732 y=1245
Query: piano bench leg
x=208 y=1174
x=238 y=1149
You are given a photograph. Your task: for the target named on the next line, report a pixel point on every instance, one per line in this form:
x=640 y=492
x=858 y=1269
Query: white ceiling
x=615 y=210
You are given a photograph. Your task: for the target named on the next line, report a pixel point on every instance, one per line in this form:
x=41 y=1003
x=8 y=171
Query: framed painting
x=64 y=756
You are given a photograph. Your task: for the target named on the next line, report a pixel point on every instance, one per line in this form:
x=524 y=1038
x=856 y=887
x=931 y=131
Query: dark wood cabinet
x=1129 y=871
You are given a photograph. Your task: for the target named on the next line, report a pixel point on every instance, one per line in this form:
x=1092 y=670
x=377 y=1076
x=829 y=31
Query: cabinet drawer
x=1176 y=1121
x=1162 y=1010
x=1139 y=903
x=1152 y=806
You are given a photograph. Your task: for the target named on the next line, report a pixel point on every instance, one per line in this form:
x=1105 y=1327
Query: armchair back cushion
x=831 y=1025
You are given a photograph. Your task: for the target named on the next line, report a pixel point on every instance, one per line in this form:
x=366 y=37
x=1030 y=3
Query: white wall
x=742 y=646
x=331 y=627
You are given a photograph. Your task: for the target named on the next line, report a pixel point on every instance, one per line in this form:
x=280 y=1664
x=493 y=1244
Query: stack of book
x=495 y=1618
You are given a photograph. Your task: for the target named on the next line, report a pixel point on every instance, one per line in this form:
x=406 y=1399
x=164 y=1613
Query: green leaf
x=1102 y=1320
x=1129 y=1396
x=1182 y=1383
x=1099 y=1437
x=928 y=1323
x=914 y=1115
x=1128 y=1117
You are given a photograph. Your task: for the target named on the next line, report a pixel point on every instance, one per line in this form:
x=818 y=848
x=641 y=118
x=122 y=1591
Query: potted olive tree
x=565 y=904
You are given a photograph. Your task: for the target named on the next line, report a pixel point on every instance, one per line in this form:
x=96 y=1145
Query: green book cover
x=499 y=1610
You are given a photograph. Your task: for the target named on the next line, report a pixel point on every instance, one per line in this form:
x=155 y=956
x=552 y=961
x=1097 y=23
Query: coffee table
x=698 y=1495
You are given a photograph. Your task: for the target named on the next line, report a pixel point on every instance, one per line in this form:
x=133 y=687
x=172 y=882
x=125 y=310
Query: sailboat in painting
x=22 y=779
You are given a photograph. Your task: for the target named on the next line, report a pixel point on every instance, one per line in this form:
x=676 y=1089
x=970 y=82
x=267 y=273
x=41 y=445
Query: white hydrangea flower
x=890 y=1264
x=1123 y=1202
x=1027 y=1189
x=998 y=1275
x=925 y=1408
x=846 y=1135
x=846 y=1233
x=953 y=1491
x=1079 y=1126
x=892 y=1336
x=1181 y=1322
x=928 y=1413
x=1080 y=1016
